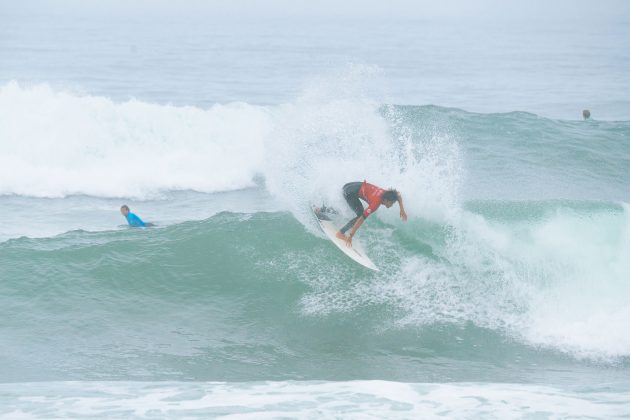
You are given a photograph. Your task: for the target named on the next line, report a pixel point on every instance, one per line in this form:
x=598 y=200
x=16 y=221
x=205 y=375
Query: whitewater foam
x=352 y=399
x=58 y=143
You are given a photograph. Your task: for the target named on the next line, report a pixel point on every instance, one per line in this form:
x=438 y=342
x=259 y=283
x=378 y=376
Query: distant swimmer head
x=586 y=114
x=389 y=197
x=124 y=210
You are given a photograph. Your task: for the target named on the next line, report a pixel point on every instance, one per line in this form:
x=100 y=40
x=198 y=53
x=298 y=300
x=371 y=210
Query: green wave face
x=257 y=296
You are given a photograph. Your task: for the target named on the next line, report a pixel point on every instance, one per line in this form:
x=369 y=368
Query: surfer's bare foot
x=341 y=236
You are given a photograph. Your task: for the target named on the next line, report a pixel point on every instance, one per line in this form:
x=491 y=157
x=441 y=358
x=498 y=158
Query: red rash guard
x=372 y=195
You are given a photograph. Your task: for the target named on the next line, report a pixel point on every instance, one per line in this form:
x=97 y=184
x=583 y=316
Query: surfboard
x=356 y=252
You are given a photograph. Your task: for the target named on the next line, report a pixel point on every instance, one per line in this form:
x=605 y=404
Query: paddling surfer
x=132 y=218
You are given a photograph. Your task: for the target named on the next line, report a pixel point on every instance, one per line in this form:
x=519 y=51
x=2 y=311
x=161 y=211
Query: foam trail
x=559 y=282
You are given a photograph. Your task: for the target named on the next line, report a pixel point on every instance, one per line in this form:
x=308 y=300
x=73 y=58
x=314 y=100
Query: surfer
x=374 y=196
x=132 y=219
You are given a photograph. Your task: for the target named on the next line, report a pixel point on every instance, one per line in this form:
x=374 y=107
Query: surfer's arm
x=403 y=214
x=134 y=221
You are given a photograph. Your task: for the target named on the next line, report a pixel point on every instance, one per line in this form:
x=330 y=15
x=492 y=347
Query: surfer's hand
x=349 y=241
x=403 y=215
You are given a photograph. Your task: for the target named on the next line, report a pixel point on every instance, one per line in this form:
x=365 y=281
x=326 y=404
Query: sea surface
x=505 y=295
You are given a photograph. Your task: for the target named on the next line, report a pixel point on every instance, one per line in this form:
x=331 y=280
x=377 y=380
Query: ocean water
x=505 y=295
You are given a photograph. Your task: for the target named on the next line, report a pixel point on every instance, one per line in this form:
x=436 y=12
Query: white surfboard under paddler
x=356 y=251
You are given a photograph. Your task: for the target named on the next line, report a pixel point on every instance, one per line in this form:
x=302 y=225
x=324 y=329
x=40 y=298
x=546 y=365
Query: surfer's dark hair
x=124 y=206
x=390 y=195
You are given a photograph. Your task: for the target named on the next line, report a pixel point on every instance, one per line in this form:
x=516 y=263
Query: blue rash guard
x=134 y=221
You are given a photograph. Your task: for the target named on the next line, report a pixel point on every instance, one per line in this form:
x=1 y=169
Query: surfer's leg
x=348 y=225
x=351 y=194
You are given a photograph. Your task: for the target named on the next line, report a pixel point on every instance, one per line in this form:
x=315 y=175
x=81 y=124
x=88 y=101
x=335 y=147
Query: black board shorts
x=351 y=194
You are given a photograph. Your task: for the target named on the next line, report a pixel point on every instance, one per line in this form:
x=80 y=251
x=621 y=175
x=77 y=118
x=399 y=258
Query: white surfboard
x=356 y=252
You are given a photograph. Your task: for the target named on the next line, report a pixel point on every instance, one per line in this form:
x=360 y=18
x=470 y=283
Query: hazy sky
x=414 y=9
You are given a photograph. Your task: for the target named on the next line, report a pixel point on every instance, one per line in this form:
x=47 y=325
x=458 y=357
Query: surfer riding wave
x=374 y=196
